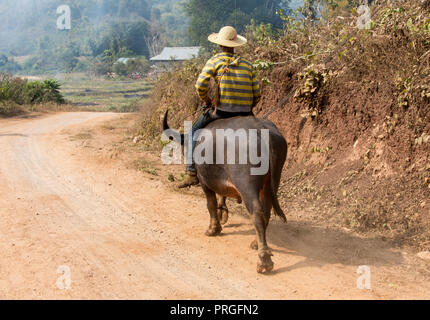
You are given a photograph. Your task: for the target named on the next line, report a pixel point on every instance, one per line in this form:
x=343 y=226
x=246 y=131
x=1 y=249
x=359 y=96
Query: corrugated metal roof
x=177 y=53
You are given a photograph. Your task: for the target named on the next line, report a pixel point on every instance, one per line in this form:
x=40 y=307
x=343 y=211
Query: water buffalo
x=258 y=192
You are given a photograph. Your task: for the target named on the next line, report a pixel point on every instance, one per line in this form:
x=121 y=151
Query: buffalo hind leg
x=267 y=208
x=254 y=243
x=215 y=226
x=222 y=210
x=265 y=263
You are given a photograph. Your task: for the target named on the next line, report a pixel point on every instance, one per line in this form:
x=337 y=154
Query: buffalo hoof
x=213 y=231
x=265 y=264
x=223 y=215
x=254 y=245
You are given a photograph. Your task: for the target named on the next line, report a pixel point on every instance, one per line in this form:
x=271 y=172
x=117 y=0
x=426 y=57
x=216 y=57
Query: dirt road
x=122 y=235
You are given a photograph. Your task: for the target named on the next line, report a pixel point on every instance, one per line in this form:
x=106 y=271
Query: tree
x=209 y=16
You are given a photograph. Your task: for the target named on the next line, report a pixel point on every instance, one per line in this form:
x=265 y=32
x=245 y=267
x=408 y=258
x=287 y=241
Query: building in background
x=175 y=55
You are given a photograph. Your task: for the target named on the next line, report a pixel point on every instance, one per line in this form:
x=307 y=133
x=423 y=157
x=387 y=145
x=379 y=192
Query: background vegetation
x=105 y=30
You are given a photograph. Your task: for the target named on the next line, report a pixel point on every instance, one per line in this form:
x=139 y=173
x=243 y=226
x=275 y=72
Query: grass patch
x=82 y=136
x=146 y=166
x=105 y=95
x=108 y=127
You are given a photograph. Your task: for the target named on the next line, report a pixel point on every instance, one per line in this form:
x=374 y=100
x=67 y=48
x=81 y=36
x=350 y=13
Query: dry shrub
x=173 y=91
x=9 y=109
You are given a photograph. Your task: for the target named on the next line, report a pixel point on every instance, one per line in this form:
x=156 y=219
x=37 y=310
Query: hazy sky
x=23 y=21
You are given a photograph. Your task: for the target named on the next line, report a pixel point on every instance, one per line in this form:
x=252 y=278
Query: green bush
x=11 y=88
x=38 y=92
x=20 y=91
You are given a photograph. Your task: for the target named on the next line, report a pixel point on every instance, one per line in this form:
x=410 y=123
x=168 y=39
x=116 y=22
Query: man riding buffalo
x=238 y=90
x=254 y=181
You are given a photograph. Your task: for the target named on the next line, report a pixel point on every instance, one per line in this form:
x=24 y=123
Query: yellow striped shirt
x=239 y=88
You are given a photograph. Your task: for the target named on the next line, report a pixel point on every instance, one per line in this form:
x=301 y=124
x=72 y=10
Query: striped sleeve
x=202 y=84
x=255 y=88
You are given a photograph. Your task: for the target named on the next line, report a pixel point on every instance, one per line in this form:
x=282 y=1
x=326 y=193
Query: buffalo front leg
x=214 y=226
x=222 y=210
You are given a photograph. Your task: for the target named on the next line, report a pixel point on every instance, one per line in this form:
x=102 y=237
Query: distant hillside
x=108 y=29
x=24 y=23
x=126 y=27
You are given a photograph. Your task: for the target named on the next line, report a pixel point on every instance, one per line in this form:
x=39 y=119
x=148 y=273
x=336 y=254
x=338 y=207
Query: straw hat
x=227 y=37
